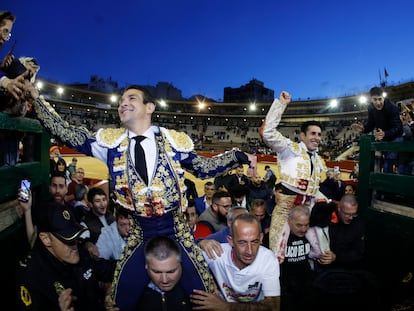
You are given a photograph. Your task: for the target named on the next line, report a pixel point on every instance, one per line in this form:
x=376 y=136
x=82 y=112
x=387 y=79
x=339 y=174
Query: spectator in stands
x=406 y=159
x=222 y=182
x=239 y=178
x=61 y=169
x=296 y=274
x=211 y=244
x=113 y=238
x=163 y=265
x=152 y=186
x=76 y=179
x=72 y=166
x=259 y=210
x=300 y=168
x=97 y=218
x=199 y=230
x=215 y=216
x=203 y=202
x=54 y=154
x=246 y=273
x=350 y=189
x=384 y=121
x=13 y=86
x=269 y=178
x=80 y=204
x=355 y=172
x=56 y=264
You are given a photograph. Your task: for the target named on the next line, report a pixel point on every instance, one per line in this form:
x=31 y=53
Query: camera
x=24 y=192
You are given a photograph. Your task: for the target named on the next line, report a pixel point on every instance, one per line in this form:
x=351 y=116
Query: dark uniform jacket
x=155 y=300
x=41 y=277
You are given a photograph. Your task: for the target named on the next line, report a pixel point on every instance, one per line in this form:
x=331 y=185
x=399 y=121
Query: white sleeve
x=270 y=275
x=271 y=136
x=104 y=244
x=99 y=152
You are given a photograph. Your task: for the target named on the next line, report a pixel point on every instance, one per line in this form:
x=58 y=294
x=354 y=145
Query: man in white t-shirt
x=246 y=272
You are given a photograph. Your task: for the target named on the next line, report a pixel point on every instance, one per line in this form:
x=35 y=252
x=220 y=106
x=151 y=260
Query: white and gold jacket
x=292 y=158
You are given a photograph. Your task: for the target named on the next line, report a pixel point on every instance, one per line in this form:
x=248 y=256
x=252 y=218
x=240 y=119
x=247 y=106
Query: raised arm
x=78 y=138
x=31 y=231
x=271 y=136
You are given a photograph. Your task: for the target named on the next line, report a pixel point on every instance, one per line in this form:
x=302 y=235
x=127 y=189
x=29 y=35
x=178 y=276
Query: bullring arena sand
x=96 y=170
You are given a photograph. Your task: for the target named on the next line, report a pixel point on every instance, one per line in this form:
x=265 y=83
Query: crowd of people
x=248 y=243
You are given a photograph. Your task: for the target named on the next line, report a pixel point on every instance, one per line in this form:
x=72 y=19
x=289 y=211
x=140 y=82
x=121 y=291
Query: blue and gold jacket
x=175 y=153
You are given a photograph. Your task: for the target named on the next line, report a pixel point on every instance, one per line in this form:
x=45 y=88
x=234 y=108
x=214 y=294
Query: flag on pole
x=385 y=73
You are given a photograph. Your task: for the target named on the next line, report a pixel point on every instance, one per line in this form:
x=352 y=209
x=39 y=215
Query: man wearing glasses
x=216 y=215
x=347 y=237
x=14 y=86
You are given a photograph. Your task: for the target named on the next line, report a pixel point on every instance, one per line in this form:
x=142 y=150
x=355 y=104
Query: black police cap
x=60 y=221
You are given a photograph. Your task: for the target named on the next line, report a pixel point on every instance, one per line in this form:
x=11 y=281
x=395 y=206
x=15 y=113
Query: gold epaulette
x=110 y=137
x=180 y=141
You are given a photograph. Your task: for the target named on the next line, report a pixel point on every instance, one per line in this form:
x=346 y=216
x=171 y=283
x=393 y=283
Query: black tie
x=310 y=157
x=140 y=163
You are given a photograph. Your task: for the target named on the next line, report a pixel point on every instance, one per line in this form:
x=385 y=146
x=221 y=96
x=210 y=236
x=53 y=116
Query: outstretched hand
x=6 y=62
x=379 y=134
x=15 y=87
x=211 y=247
x=207 y=301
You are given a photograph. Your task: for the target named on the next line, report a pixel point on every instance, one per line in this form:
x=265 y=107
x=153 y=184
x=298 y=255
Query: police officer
x=56 y=266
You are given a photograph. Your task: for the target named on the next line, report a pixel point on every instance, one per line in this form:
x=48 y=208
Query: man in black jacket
x=384 y=121
x=163 y=264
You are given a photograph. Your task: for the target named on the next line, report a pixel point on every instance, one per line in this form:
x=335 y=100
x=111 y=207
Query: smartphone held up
x=24 y=191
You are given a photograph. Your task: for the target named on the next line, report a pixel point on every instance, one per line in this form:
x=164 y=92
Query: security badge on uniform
x=25 y=296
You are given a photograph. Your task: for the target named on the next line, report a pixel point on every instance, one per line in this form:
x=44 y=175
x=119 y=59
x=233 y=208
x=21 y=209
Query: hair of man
x=232 y=211
x=161 y=248
x=146 y=95
x=6 y=15
x=95 y=191
x=247 y=218
x=305 y=125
